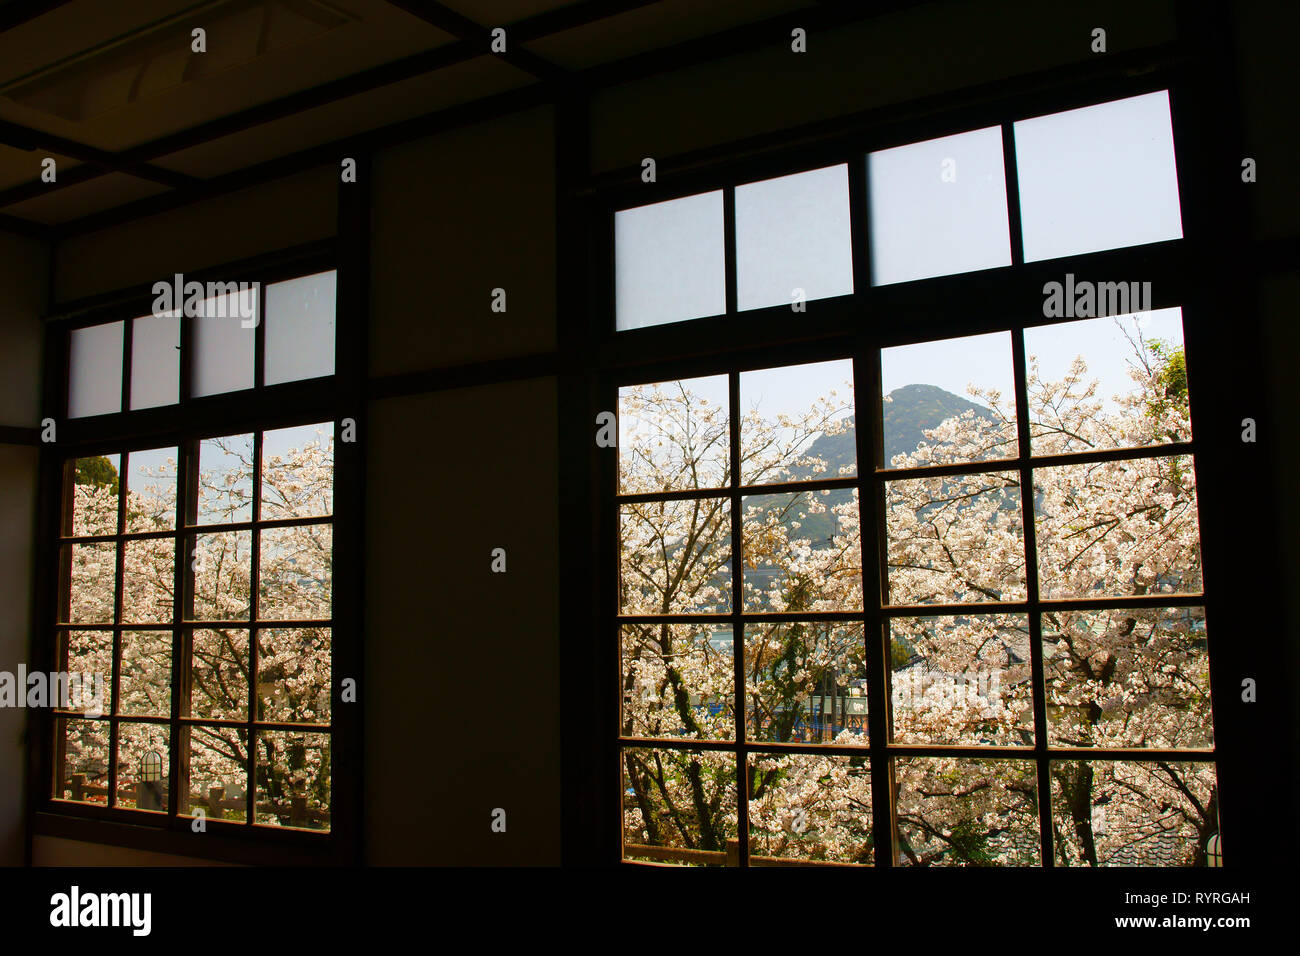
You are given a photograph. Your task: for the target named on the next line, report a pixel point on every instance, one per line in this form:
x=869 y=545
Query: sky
x=277 y=442
x=985 y=360
x=952 y=364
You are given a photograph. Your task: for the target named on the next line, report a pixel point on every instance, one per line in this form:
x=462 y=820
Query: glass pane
x=954 y=811
x=1115 y=382
x=298 y=472
x=147 y=673
x=300 y=328
x=219 y=674
x=293 y=674
x=297 y=573
x=222 y=567
x=680 y=807
x=91 y=596
x=1138 y=677
x=802 y=552
x=961 y=681
x=225 y=480
x=675 y=557
x=81 y=760
x=95 y=370
x=218 y=773
x=809 y=809
x=293 y=780
x=673 y=436
x=89 y=666
x=1130 y=813
x=149 y=582
x=926 y=418
x=677 y=680
x=793 y=239
x=94 y=495
x=797 y=423
x=143 y=766
x=1118 y=528
x=955 y=539
x=1101 y=177
x=155 y=361
x=224 y=337
x=151 y=490
x=806 y=682
x=938 y=207
x=669 y=261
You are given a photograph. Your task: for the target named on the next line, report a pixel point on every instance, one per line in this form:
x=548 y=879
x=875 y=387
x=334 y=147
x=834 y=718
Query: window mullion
x=737 y=574
x=182 y=608
x=871 y=510
x=254 y=613
x=872 y=528
x=115 y=668
x=128 y=352
x=729 y=255
x=259 y=339
x=1013 y=194
x=1029 y=524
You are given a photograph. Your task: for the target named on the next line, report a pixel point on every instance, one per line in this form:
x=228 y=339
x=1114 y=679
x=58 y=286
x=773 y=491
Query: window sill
x=221 y=843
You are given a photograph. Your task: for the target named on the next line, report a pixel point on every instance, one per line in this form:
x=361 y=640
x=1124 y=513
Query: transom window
x=136 y=364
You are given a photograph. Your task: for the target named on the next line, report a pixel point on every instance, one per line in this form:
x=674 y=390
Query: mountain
x=911 y=410
x=914 y=408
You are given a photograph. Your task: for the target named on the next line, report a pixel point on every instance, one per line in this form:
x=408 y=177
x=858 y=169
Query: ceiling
x=113 y=91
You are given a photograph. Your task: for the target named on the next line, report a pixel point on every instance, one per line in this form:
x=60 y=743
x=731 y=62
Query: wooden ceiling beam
x=136 y=159
x=24 y=137
x=474 y=33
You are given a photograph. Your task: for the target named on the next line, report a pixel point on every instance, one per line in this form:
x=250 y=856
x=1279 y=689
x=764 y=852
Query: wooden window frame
x=328 y=399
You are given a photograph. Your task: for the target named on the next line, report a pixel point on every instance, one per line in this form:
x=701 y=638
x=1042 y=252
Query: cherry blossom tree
x=1134 y=678
x=293 y=659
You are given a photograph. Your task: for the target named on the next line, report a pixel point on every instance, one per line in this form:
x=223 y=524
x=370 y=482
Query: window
x=924 y=590
x=938 y=207
x=792 y=239
x=1118 y=159
x=670 y=261
x=195 y=558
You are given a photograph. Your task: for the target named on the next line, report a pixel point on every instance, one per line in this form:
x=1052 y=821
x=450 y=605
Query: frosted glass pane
x=793 y=233
x=938 y=207
x=668 y=261
x=1101 y=177
x=95 y=379
x=223 y=348
x=300 y=328
x=155 y=361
